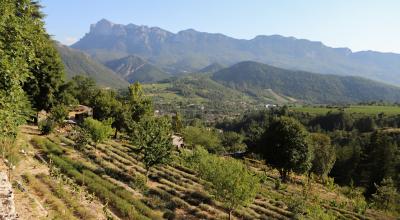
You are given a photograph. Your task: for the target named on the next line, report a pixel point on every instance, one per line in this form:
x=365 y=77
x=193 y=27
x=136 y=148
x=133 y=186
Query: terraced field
x=113 y=174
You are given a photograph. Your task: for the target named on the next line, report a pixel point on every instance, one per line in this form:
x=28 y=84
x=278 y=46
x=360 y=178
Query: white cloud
x=69 y=40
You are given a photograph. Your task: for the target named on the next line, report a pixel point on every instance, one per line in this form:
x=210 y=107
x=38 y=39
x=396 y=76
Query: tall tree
x=177 y=124
x=43 y=86
x=380 y=159
x=137 y=106
x=104 y=104
x=153 y=137
x=285 y=145
x=19 y=33
x=47 y=72
x=83 y=88
x=386 y=196
x=232 y=182
x=324 y=154
x=107 y=105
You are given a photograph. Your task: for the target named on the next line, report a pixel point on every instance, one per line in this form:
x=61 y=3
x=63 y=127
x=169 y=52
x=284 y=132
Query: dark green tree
x=104 y=104
x=84 y=89
x=177 y=124
x=365 y=124
x=232 y=142
x=285 y=145
x=386 y=196
x=59 y=113
x=137 y=106
x=324 y=154
x=107 y=105
x=380 y=160
x=43 y=86
x=20 y=32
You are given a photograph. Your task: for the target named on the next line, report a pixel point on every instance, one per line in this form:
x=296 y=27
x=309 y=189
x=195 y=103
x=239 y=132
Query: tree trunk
x=147 y=174
x=284 y=175
x=230 y=214
x=116 y=133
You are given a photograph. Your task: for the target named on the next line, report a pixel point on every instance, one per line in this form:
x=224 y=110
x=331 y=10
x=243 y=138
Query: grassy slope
x=46 y=197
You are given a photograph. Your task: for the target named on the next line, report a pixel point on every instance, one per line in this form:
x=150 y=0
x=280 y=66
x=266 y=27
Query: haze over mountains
x=190 y=50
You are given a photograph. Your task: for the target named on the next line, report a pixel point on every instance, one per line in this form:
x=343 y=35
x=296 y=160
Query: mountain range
x=191 y=50
x=116 y=55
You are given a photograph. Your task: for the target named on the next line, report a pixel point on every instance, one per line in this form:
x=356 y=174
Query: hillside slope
x=256 y=79
x=109 y=175
x=191 y=50
x=133 y=68
x=79 y=63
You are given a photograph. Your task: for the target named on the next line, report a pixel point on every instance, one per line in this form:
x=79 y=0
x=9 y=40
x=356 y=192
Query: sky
x=356 y=24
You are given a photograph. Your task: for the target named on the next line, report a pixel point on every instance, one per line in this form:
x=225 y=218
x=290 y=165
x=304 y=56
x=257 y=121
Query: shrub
x=360 y=206
x=59 y=113
x=169 y=215
x=82 y=138
x=204 y=137
x=98 y=131
x=386 y=196
x=139 y=182
x=10 y=151
x=330 y=183
x=297 y=206
x=47 y=126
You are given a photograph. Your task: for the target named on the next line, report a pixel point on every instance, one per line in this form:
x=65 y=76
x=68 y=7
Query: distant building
x=79 y=113
x=268 y=106
x=42 y=115
x=177 y=141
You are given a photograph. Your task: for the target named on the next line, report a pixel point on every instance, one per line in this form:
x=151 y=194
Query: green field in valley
x=357 y=109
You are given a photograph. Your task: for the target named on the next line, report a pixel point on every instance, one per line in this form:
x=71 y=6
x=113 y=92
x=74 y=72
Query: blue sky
x=357 y=24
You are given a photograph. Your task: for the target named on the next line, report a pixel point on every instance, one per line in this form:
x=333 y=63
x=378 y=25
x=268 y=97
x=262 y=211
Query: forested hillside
x=79 y=63
x=133 y=68
x=256 y=78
